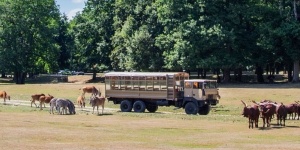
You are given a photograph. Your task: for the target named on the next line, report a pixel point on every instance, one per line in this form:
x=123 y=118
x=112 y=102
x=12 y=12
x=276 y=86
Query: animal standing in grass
x=4 y=95
x=61 y=106
x=35 y=97
x=71 y=107
x=252 y=113
x=90 y=89
x=45 y=99
x=97 y=101
x=52 y=105
x=81 y=101
x=281 y=113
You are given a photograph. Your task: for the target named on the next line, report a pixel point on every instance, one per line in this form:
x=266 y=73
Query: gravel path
x=28 y=103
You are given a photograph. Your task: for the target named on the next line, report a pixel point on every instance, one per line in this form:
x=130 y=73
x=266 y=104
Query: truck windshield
x=210 y=85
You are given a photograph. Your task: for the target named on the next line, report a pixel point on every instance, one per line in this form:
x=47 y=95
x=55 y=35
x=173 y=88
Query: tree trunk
x=290 y=72
x=3 y=75
x=226 y=75
x=238 y=73
x=259 y=74
x=296 y=71
x=218 y=76
x=204 y=74
x=94 y=75
x=19 y=77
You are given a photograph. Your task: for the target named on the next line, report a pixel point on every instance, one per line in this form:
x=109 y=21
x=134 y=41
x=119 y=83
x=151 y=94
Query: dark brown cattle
x=45 y=99
x=252 y=113
x=267 y=110
x=4 y=95
x=269 y=105
x=281 y=114
x=291 y=110
x=298 y=108
x=90 y=89
x=35 y=97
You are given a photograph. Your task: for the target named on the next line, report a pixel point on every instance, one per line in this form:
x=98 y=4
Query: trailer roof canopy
x=145 y=73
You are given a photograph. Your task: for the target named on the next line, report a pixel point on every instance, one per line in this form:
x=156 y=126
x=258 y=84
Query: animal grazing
x=71 y=107
x=4 y=95
x=252 y=113
x=45 y=99
x=35 y=97
x=52 y=105
x=65 y=104
x=90 y=89
x=97 y=101
x=81 y=101
x=62 y=103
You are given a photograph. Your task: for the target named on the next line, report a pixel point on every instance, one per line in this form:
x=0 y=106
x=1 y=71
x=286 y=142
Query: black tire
x=126 y=106
x=191 y=108
x=204 y=110
x=152 y=108
x=139 y=106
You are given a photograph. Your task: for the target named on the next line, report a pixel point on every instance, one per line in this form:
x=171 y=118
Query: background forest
x=152 y=35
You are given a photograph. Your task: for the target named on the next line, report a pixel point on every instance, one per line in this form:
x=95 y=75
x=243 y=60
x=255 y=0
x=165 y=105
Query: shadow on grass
x=275 y=126
x=105 y=114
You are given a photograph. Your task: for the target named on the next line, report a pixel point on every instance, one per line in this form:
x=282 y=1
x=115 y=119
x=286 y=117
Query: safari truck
x=148 y=90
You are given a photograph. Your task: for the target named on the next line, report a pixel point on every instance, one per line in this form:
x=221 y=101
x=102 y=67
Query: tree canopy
x=153 y=35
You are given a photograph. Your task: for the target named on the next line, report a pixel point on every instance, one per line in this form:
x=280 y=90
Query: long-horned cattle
x=252 y=113
x=298 y=108
x=281 y=114
x=291 y=110
x=90 y=89
x=4 y=95
x=35 y=97
x=267 y=110
x=97 y=101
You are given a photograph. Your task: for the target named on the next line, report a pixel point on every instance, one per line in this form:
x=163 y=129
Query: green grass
x=24 y=127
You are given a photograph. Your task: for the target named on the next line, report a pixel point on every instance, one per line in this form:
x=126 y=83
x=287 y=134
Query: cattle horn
x=254 y=102
x=244 y=103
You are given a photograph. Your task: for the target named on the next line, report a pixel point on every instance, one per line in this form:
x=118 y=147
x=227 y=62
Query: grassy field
x=24 y=127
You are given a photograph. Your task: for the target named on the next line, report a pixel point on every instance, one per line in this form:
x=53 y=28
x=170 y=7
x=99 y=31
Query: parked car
x=64 y=72
x=77 y=72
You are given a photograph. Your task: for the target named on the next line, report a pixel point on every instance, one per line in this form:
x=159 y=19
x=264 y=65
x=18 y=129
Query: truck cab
x=202 y=90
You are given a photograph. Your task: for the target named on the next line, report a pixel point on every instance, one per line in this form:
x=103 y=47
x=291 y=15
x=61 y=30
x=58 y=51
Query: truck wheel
x=191 y=108
x=152 y=108
x=204 y=110
x=126 y=106
x=139 y=106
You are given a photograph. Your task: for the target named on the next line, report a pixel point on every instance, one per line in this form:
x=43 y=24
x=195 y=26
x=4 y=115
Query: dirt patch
x=80 y=79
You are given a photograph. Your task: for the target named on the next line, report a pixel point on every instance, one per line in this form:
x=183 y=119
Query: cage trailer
x=142 y=91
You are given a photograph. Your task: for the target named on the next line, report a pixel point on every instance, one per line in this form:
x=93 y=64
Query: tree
x=29 y=30
x=93 y=31
x=65 y=41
